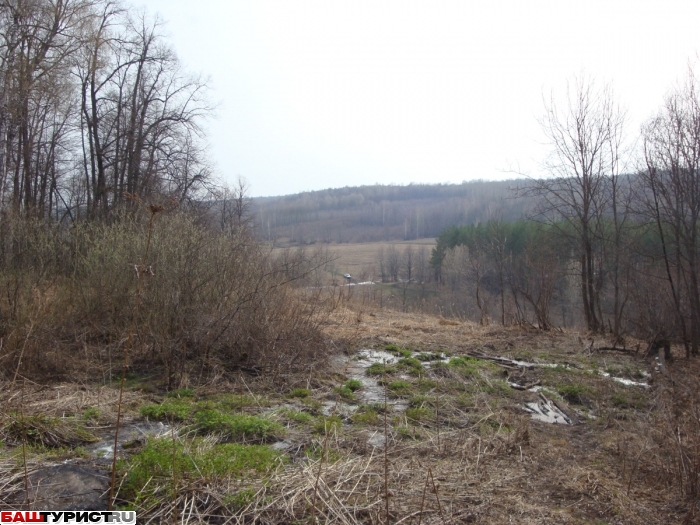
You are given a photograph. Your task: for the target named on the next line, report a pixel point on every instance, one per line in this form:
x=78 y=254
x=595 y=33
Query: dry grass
x=492 y=464
x=360 y=259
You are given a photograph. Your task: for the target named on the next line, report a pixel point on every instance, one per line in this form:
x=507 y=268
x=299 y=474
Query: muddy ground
x=406 y=408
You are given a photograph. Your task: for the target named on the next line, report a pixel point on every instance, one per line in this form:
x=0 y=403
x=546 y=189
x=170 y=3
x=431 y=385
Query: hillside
x=384 y=213
x=419 y=417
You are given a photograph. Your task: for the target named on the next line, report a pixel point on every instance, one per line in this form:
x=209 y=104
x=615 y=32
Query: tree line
x=102 y=130
x=94 y=107
x=618 y=247
x=382 y=213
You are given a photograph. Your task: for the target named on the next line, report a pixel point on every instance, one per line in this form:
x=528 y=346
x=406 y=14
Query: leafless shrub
x=217 y=299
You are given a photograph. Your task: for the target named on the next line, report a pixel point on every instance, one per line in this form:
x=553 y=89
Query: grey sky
x=318 y=94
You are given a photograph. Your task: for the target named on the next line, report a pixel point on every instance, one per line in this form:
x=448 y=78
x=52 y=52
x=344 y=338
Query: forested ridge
x=384 y=213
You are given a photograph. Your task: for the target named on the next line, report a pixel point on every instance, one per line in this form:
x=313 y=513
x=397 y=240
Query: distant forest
x=385 y=213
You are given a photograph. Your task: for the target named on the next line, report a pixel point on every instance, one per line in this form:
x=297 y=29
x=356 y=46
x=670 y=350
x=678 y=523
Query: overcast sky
x=319 y=94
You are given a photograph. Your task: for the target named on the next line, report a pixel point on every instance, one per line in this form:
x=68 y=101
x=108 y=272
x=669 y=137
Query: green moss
x=572 y=393
x=328 y=424
x=398 y=350
x=345 y=393
x=297 y=416
x=498 y=387
x=45 y=432
x=314 y=404
x=428 y=356
x=299 y=393
x=466 y=366
x=411 y=364
x=464 y=401
x=239 y=500
x=235 y=402
x=170 y=410
x=426 y=385
x=628 y=399
x=90 y=414
x=148 y=475
x=417 y=414
x=418 y=401
x=366 y=417
x=378 y=369
x=353 y=384
x=237 y=426
x=400 y=387
x=409 y=432
x=180 y=393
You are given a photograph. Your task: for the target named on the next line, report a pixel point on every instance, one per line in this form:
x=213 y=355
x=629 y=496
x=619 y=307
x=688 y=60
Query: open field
x=305 y=445
x=360 y=259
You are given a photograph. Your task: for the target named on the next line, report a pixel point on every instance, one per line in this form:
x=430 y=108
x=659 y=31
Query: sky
x=324 y=94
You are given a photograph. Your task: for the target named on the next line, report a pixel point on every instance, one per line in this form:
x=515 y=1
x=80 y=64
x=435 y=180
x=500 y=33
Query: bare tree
x=585 y=135
x=671 y=199
x=422 y=260
x=409 y=262
x=381 y=262
x=236 y=207
x=393 y=260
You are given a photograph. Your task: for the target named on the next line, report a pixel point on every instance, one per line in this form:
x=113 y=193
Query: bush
x=216 y=297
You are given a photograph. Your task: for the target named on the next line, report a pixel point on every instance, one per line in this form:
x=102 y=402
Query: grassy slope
x=491 y=463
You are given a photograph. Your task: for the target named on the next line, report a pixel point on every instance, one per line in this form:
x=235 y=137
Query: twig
x=422 y=501
x=24 y=449
x=318 y=475
x=386 y=449
x=435 y=490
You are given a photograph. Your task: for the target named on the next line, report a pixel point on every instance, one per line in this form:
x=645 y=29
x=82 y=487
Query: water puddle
x=338 y=408
x=372 y=392
x=129 y=436
x=547 y=411
x=627 y=382
x=376 y=440
x=282 y=445
x=67 y=487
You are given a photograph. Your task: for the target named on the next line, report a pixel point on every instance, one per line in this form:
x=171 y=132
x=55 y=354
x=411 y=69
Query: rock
x=67 y=487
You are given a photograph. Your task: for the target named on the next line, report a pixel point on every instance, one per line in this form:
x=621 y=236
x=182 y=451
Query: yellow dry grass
x=490 y=462
x=360 y=259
